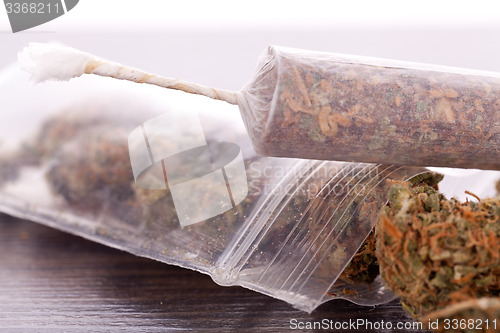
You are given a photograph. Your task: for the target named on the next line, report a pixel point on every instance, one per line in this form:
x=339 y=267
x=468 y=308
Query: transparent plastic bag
x=339 y=107
x=65 y=162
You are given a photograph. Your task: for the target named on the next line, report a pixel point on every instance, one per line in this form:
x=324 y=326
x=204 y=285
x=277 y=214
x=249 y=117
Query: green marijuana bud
x=440 y=256
x=364 y=265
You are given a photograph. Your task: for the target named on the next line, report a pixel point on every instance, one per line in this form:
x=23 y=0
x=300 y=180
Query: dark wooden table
x=51 y=281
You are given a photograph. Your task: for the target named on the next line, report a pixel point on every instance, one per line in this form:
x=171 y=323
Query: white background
x=218 y=42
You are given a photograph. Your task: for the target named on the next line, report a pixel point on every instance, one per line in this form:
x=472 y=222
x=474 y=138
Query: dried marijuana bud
x=436 y=254
x=92 y=166
x=364 y=265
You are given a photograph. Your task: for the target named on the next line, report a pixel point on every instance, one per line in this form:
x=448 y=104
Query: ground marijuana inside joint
x=332 y=108
x=439 y=255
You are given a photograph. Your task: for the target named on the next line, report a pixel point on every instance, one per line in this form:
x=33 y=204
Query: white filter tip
x=52 y=62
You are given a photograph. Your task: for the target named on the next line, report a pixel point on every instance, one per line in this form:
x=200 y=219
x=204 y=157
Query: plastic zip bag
x=66 y=163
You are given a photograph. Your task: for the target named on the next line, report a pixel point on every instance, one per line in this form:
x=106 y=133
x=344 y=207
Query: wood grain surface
x=51 y=281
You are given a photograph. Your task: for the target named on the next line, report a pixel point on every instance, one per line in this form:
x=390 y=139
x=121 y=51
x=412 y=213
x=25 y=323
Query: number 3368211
x=31 y=8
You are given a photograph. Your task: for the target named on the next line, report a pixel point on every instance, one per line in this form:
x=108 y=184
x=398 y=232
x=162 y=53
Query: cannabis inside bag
x=89 y=157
